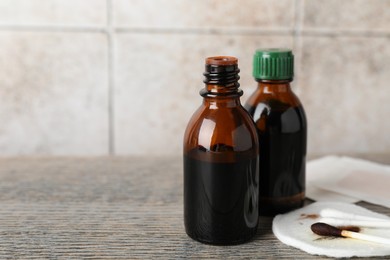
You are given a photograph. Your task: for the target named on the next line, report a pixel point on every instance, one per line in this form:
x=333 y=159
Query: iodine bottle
x=221 y=177
x=281 y=126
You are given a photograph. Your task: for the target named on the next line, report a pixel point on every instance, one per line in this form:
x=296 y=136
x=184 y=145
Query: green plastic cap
x=273 y=64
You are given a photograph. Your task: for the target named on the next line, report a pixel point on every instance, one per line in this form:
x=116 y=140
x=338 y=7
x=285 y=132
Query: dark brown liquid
x=282 y=138
x=220 y=199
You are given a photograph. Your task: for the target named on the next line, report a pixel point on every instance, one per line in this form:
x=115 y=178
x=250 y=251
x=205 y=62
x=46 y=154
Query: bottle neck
x=274 y=86
x=221 y=79
x=218 y=96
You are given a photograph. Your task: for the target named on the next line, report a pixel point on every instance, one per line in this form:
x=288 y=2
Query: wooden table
x=110 y=207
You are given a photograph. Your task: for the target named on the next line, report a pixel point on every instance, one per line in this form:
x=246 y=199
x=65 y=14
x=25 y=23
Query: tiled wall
x=82 y=77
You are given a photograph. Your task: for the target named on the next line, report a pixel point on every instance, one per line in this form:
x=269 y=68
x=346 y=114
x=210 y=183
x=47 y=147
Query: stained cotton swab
x=324 y=229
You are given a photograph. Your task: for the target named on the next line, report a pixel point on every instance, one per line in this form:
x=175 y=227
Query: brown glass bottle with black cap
x=281 y=125
x=221 y=175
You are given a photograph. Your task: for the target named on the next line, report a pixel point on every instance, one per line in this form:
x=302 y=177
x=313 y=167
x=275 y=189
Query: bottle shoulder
x=230 y=118
x=286 y=118
x=219 y=129
x=273 y=99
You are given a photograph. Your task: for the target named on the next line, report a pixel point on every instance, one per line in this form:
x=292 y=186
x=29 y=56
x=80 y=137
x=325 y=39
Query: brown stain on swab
x=309 y=216
x=350 y=228
x=324 y=229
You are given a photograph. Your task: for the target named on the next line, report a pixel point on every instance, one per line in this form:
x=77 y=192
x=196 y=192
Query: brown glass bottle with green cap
x=281 y=125
x=221 y=174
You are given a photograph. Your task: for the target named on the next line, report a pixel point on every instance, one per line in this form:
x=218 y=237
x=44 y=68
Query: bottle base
x=223 y=242
x=269 y=206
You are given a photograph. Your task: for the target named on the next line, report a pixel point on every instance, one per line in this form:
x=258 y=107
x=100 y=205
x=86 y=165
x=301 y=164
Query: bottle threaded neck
x=222 y=71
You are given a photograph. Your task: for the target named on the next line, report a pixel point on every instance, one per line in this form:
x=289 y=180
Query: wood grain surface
x=111 y=208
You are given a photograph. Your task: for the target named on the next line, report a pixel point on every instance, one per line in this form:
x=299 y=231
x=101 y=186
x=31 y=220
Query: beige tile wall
x=122 y=76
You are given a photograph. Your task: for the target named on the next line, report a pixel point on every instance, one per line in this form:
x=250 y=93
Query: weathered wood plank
x=109 y=208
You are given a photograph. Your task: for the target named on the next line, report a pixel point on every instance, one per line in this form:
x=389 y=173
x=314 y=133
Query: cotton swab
x=323 y=229
x=339 y=218
x=360 y=223
x=332 y=213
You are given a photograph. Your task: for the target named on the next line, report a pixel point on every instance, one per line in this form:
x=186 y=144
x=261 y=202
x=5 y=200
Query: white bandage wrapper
x=294 y=229
x=317 y=168
x=346 y=179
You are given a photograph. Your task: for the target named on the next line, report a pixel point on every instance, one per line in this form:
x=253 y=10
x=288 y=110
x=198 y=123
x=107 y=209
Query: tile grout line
x=53 y=28
x=254 y=31
x=328 y=32
x=214 y=31
x=110 y=31
x=319 y=32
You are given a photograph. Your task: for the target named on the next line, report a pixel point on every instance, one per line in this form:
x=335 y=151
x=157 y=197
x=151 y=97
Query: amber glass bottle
x=221 y=161
x=281 y=125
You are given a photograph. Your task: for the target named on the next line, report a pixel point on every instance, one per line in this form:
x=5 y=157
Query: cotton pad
x=293 y=229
